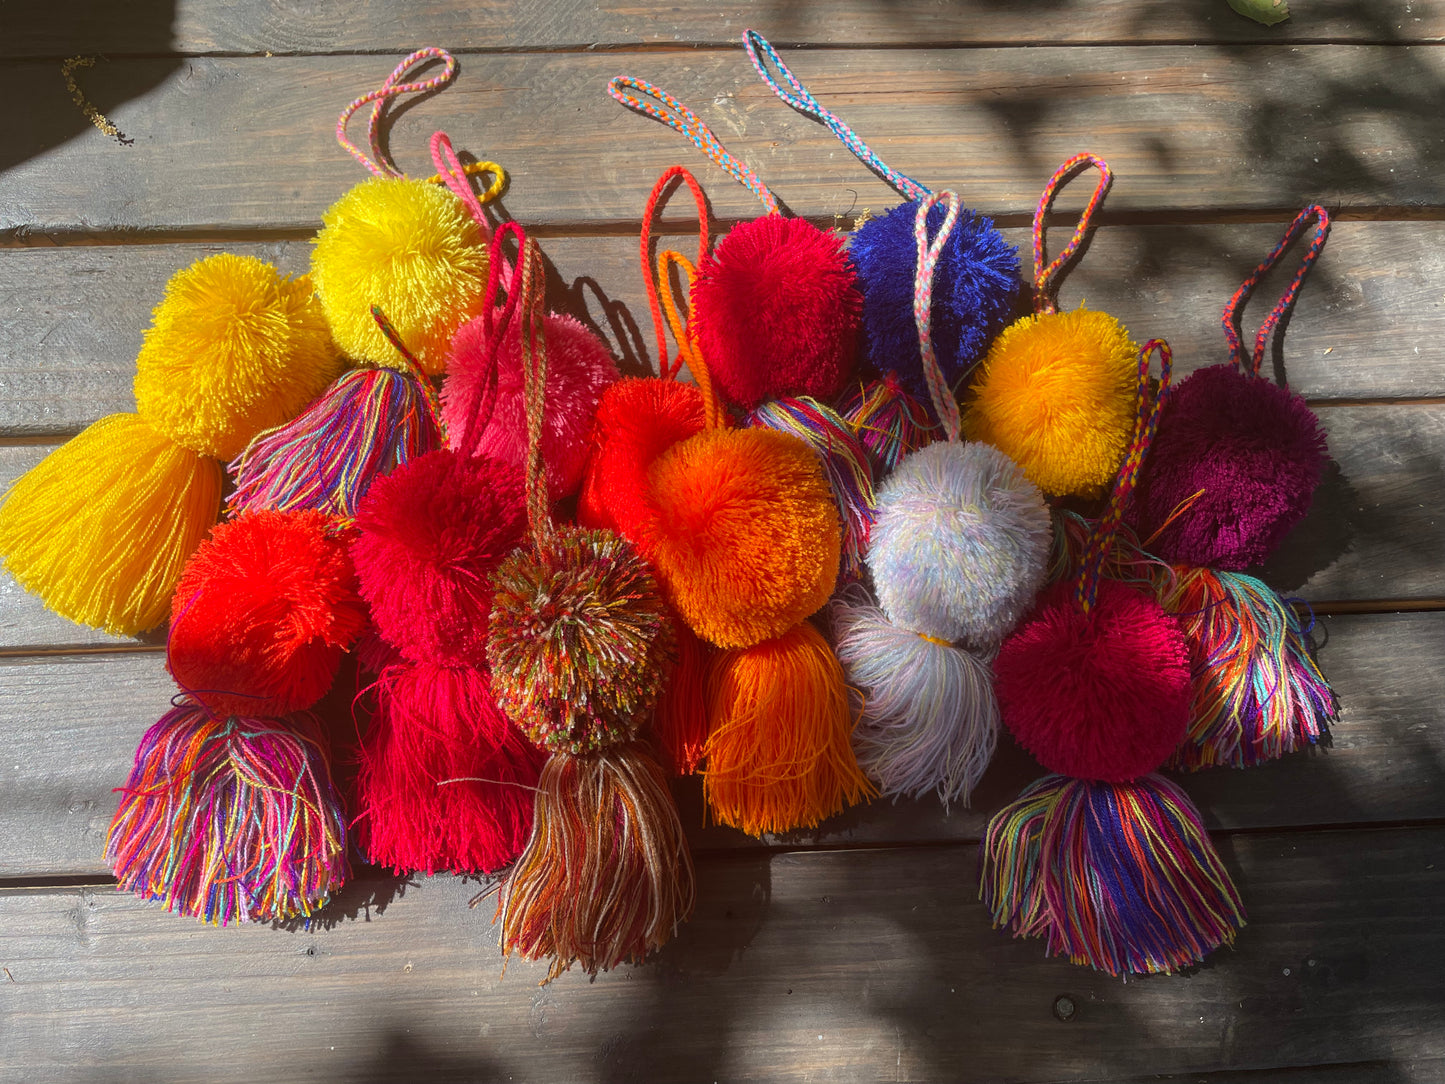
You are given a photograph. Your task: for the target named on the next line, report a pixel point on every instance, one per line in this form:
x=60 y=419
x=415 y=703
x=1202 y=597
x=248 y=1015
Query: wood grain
x=259 y=26
x=227 y=143
x=1370 y=324
x=864 y=965
x=69 y=727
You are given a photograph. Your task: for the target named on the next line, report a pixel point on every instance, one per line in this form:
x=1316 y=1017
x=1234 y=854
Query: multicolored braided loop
x=1250 y=366
x=804 y=102
x=1045 y=286
x=392 y=88
x=413 y=367
x=938 y=390
x=669 y=370
x=1146 y=421
x=664 y=107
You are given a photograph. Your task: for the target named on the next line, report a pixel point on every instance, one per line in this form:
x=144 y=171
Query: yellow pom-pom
x=1056 y=395
x=101 y=527
x=410 y=247
x=234 y=348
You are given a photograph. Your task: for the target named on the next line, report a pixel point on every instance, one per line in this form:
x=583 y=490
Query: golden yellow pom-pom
x=235 y=347
x=1056 y=395
x=410 y=247
x=101 y=527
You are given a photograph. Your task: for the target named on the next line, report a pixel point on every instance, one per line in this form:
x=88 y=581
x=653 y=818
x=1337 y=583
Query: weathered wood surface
x=260 y=26
x=1370 y=324
x=69 y=726
x=795 y=967
x=245 y=142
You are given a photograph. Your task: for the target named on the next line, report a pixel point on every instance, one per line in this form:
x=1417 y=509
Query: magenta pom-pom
x=579 y=369
x=776 y=307
x=1235 y=464
x=1102 y=694
x=429 y=536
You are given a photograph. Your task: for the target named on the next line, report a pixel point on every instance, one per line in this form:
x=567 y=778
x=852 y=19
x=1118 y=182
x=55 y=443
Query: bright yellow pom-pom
x=235 y=347
x=410 y=247
x=101 y=527
x=1056 y=395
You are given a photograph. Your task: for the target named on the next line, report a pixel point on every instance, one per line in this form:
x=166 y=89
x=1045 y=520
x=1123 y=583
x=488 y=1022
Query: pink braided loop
x=1045 y=286
x=660 y=105
x=1146 y=422
x=379 y=164
x=449 y=166
x=944 y=403
x=1232 y=335
x=497 y=325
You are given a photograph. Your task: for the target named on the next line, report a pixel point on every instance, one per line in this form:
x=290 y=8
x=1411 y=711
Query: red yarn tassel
x=680 y=725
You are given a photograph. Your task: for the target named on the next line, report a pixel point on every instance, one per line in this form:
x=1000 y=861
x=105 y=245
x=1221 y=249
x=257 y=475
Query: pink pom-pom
x=579 y=369
x=1102 y=695
x=429 y=536
x=776 y=306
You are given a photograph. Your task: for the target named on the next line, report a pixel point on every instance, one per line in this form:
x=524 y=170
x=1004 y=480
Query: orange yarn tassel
x=780 y=755
x=680 y=725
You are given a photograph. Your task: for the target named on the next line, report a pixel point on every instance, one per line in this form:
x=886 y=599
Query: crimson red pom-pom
x=263 y=611
x=429 y=535
x=776 y=307
x=446 y=782
x=637 y=420
x=579 y=369
x=1101 y=696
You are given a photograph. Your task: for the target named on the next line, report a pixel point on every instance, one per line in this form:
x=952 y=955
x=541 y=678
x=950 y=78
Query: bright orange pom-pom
x=746 y=536
x=1056 y=395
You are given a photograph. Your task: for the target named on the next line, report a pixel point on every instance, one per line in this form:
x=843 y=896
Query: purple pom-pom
x=975 y=292
x=1253 y=451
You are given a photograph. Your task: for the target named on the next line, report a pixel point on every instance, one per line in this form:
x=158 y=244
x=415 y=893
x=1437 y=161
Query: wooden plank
x=70 y=725
x=71 y=319
x=861 y=965
x=1375 y=531
x=260 y=26
x=221 y=143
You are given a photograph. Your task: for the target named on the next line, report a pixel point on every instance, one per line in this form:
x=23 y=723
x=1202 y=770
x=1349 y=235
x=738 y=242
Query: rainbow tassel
x=1119 y=876
x=1258 y=693
x=888 y=421
x=229 y=820
x=367 y=423
x=845 y=462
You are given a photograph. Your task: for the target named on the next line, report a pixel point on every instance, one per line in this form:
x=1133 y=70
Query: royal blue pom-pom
x=975 y=292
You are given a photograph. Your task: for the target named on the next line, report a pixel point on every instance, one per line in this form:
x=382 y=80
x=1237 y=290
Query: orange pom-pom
x=746 y=537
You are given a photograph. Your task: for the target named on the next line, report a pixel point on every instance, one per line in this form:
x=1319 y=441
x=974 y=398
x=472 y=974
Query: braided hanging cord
x=1232 y=335
x=377 y=162
x=938 y=390
x=669 y=370
x=1046 y=275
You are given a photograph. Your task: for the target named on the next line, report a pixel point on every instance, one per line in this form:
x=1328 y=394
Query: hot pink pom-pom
x=446 y=782
x=776 y=307
x=579 y=369
x=429 y=536
x=1102 y=695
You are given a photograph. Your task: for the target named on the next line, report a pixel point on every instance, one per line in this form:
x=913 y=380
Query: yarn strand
x=660 y=105
x=803 y=101
x=1232 y=335
x=378 y=162
x=687 y=348
x=1046 y=275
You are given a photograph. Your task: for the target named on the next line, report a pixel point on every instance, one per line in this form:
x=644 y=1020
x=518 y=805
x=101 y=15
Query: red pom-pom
x=776 y=307
x=579 y=369
x=637 y=420
x=430 y=534
x=446 y=781
x=1101 y=696
x=263 y=611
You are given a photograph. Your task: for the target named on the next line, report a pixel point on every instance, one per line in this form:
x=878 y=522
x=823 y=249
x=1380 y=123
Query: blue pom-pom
x=975 y=292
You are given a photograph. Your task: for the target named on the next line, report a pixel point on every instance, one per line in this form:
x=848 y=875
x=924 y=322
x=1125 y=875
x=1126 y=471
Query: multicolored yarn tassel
x=845 y=461
x=229 y=819
x=1122 y=877
x=366 y=424
x=888 y=421
x=1258 y=693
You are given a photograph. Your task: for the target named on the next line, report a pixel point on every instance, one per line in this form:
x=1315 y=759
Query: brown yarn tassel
x=606 y=876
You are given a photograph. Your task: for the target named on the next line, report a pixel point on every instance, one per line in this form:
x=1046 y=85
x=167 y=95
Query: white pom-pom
x=961 y=543
x=928 y=720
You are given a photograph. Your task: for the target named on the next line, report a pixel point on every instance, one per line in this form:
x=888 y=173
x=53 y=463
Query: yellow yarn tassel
x=780 y=754
x=101 y=527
